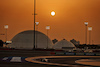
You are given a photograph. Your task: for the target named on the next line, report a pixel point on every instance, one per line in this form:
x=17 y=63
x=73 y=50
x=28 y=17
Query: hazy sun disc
x=52 y=13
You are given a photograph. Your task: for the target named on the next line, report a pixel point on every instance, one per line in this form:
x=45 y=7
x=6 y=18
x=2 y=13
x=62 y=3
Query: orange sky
x=68 y=22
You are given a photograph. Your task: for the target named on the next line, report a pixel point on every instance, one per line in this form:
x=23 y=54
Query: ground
x=36 y=53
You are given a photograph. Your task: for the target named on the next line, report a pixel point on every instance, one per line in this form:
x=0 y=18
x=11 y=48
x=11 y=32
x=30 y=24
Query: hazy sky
x=68 y=22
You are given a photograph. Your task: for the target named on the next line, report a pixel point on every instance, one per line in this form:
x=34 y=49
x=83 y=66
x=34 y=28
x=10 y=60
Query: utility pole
x=34 y=22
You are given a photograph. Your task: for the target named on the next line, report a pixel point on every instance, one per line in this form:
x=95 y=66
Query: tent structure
x=64 y=44
x=25 y=40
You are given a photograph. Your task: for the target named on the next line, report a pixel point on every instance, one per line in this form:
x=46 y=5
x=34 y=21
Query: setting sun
x=52 y=13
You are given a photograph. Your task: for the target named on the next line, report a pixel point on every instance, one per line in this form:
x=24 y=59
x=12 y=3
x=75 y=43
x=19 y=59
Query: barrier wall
x=77 y=54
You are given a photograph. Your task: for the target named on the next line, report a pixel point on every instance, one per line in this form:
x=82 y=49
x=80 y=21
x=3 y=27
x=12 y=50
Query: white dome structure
x=64 y=44
x=25 y=40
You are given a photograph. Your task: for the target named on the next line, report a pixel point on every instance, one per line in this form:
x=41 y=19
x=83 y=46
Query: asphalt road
x=33 y=53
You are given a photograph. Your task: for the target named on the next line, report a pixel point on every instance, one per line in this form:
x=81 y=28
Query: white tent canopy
x=24 y=40
x=63 y=44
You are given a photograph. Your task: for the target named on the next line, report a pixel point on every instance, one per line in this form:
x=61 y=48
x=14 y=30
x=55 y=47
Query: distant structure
x=1 y=43
x=54 y=41
x=75 y=42
x=64 y=44
x=24 y=40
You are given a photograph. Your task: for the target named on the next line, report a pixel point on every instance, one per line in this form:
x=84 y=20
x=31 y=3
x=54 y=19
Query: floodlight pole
x=89 y=37
x=47 y=27
x=47 y=38
x=37 y=23
x=34 y=23
x=6 y=34
x=86 y=36
x=86 y=23
x=6 y=27
x=90 y=29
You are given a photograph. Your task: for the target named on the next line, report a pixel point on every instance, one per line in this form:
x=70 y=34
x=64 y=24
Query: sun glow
x=52 y=13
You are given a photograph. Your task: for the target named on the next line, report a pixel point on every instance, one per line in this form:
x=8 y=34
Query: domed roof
x=63 y=43
x=25 y=40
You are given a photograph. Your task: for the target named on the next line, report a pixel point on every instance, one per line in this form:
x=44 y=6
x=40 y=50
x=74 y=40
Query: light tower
x=86 y=23
x=6 y=27
x=47 y=27
x=89 y=29
x=37 y=23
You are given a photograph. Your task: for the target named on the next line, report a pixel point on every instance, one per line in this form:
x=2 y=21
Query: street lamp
x=89 y=29
x=86 y=23
x=6 y=27
x=47 y=27
x=37 y=23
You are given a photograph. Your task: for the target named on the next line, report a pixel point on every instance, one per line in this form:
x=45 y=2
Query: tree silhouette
x=54 y=41
x=1 y=43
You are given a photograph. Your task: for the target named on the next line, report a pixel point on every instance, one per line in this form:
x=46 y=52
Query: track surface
x=33 y=53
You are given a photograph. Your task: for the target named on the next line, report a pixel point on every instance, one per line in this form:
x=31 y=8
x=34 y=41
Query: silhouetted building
x=74 y=41
x=1 y=43
x=54 y=41
x=84 y=46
